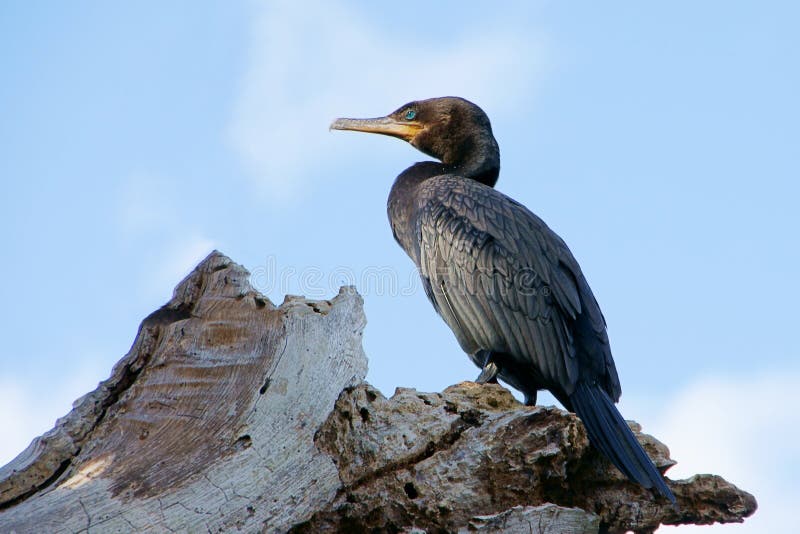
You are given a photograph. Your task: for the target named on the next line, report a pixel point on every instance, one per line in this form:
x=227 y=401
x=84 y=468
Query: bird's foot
x=490 y=370
x=488 y=374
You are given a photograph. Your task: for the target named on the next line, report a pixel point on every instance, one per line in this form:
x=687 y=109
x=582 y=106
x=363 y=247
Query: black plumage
x=505 y=283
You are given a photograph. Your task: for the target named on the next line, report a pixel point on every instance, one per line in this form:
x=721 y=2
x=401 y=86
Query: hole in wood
x=265 y=386
x=243 y=442
x=364 y=414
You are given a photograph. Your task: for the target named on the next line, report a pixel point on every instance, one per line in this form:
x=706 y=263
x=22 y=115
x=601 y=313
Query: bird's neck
x=483 y=167
x=486 y=174
x=479 y=160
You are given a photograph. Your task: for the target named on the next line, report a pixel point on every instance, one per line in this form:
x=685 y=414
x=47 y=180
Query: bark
x=232 y=414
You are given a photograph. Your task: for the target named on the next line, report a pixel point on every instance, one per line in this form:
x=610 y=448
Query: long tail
x=609 y=432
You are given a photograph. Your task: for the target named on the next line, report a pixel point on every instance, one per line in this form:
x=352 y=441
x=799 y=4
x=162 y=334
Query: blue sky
x=660 y=141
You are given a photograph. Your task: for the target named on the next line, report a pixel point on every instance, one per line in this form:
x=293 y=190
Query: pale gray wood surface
x=181 y=436
x=230 y=414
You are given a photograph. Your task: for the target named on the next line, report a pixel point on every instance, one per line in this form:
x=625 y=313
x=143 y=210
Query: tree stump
x=232 y=414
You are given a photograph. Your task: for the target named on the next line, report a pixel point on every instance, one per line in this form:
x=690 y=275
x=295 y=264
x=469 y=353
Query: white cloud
x=746 y=430
x=313 y=61
x=149 y=218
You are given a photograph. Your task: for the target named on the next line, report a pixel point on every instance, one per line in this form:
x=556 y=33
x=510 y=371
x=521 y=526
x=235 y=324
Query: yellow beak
x=381 y=125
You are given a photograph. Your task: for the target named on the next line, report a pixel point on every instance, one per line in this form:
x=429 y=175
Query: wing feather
x=505 y=282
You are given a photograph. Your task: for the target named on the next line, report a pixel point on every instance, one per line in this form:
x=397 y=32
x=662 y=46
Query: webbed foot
x=490 y=370
x=488 y=374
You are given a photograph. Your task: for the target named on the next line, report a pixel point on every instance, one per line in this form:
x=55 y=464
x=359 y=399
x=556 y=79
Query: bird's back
x=505 y=282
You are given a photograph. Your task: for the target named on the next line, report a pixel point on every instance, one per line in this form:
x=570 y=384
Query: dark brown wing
x=505 y=282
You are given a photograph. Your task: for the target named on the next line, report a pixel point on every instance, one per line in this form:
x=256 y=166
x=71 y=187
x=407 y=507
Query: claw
x=489 y=371
x=488 y=374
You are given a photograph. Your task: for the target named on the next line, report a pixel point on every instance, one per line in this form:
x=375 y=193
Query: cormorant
x=505 y=283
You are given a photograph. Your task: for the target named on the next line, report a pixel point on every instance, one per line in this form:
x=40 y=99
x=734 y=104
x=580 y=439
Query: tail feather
x=609 y=432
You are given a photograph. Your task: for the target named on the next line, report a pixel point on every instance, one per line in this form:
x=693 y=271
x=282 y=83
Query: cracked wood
x=231 y=414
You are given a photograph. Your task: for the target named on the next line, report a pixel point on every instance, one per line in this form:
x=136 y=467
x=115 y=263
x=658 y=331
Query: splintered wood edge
x=50 y=456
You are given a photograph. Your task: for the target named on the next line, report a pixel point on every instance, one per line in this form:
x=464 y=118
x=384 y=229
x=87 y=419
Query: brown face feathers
x=450 y=127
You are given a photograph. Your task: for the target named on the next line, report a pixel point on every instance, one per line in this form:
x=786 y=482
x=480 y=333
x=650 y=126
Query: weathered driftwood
x=231 y=414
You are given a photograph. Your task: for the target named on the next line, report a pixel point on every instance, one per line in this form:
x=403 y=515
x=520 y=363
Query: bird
x=505 y=283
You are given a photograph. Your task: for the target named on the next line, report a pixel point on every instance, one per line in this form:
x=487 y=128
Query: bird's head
x=451 y=129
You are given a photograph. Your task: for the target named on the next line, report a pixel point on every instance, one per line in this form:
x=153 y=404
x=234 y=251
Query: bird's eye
x=410 y=114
